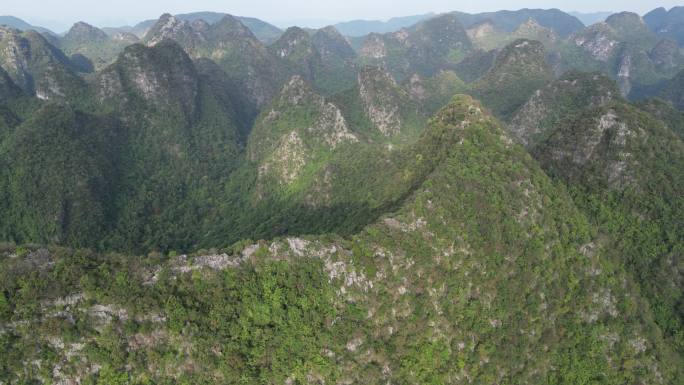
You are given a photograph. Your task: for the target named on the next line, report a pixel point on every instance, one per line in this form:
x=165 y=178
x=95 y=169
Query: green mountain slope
x=93 y=44
x=623 y=168
x=562 y=23
x=668 y=24
x=57 y=176
x=232 y=46
x=518 y=71
x=426 y=48
x=325 y=58
x=37 y=66
x=486 y=272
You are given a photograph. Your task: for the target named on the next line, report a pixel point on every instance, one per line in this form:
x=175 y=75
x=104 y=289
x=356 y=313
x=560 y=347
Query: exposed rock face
x=35 y=65
x=169 y=27
x=481 y=30
x=295 y=41
x=531 y=29
x=557 y=101
x=624 y=74
x=607 y=141
x=377 y=92
x=519 y=70
x=598 y=41
x=163 y=76
x=416 y=88
x=374 y=47
x=329 y=126
x=125 y=37
x=284 y=155
x=232 y=46
x=287 y=160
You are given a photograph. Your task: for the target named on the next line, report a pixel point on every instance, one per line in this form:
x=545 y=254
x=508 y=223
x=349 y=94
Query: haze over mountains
x=493 y=198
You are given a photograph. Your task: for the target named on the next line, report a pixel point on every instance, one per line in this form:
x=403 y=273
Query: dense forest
x=491 y=198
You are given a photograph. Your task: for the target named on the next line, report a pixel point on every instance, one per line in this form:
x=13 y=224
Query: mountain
x=667 y=113
x=265 y=32
x=37 y=66
x=133 y=152
x=357 y=28
x=486 y=36
x=16 y=23
x=629 y=51
x=622 y=166
x=325 y=59
x=591 y=18
x=91 y=47
x=669 y=90
x=557 y=20
x=198 y=206
x=486 y=261
x=426 y=48
x=232 y=46
x=518 y=71
x=668 y=24
x=602 y=40
x=8 y=90
x=557 y=102
x=58 y=165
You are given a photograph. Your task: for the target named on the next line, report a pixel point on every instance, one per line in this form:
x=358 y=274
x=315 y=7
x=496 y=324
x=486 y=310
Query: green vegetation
x=204 y=208
x=486 y=261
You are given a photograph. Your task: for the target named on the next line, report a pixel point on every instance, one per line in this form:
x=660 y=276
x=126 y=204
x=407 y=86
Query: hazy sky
x=59 y=14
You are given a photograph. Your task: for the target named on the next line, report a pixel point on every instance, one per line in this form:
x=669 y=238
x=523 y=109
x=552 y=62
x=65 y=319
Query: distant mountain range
x=19 y=24
x=491 y=198
x=357 y=28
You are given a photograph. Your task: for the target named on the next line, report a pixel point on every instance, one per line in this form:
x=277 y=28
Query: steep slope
x=57 y=177
x=559 y=101
x=436 y=44
x=628 y=51
x=667 y=24
x=231 y=45
x=318 y=165
x=667 y=113
x=519 y=69
x=265 y=32
x=338 y=60
x=671 y=90
x=182 y=140
x=562 y=23
x=8 y=89
x=325 y=59
x=623 y=168
x=379 y=108
x=300 y=130
x=85 y=41
x=17 y=23
x=486 y=273
x=37 y=66
x=487 y=36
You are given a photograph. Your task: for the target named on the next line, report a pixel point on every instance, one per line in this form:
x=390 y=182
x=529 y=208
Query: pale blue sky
x=58 y=14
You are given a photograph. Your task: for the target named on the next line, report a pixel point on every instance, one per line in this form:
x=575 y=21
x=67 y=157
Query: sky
x=60 y=14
